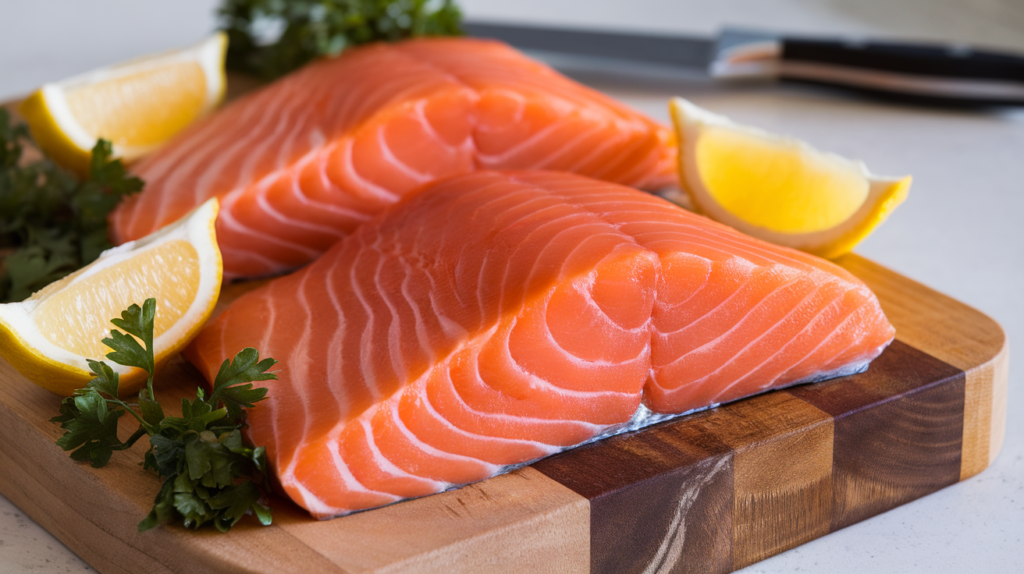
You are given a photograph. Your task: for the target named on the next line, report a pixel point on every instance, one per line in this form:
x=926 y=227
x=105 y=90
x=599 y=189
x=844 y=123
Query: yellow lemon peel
x=49 y=336
x=137 y=105
x=776 y=188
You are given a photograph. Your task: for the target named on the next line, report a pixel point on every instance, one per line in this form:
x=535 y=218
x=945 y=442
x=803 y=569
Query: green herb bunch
x=270 y=38
x=210 y=474
x=50 y=222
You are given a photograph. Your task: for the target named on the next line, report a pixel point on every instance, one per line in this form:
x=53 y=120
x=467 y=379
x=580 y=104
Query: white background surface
x=961 y=231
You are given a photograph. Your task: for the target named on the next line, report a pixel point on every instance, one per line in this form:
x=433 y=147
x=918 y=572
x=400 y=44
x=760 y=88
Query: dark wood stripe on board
x=899 y=431
x=723 y=489
x=661 y=504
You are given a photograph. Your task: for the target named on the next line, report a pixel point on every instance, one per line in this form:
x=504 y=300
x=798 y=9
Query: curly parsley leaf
x=202 y=471
x=233 y=384
x=106 y=380
x=46 y=256
x=90 y=428
x=137 y=321
x=109 y=174
x=90 y=421
x=51 y=224
x=164 y=455
x=270 y=38
x=211 y=476
x=152 y=412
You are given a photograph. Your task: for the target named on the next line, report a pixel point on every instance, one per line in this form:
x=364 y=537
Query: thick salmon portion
x=498 y=317
x=302 y=162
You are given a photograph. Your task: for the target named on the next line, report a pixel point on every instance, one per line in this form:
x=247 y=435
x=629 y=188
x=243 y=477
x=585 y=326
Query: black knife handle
x=947 y=73
x=918 y=59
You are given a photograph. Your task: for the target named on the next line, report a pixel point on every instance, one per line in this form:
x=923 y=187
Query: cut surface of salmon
x=302 y=162
x=498 y=317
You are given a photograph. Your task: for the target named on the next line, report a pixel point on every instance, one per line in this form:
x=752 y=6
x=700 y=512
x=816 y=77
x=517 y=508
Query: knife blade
x=937 y=73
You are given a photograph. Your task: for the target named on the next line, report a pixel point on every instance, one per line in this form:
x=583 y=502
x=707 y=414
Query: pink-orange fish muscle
x=498 y=317
x=301 y=163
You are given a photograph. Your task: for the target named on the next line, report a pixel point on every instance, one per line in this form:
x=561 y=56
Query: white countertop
x=960 y=232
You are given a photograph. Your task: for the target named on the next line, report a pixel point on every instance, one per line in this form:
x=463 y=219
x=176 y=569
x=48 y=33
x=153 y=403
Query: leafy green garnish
x=270 y=38
x=211 y=476
x=50 y=223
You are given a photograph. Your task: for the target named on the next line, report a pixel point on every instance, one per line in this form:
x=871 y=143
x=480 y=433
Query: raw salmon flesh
x=302 y=162
x=494 y=318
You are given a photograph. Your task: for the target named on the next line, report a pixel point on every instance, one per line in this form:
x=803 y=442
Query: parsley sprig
x=210 y=474
x=270 y=38
x=50 y=222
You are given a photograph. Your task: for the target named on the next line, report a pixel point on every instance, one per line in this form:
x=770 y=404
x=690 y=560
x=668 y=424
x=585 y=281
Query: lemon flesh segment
x=779 y=189
x=151 y=105
x=114 y=289
x=777 y=185
x=137 y=105
x=49 y=336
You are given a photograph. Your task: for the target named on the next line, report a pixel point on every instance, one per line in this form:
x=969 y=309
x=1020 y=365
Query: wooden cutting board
x=711 y=492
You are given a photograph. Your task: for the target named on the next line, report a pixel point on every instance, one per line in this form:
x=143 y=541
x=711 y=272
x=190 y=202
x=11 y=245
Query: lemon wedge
x=136 y=105
x=49 y=336
x=776 y=188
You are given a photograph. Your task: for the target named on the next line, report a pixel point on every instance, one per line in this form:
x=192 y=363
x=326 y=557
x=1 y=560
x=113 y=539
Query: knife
x=936 y=73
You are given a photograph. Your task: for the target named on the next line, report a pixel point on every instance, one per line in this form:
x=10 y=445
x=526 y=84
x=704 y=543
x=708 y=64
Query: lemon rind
x=51 y=136
x=62 y=371
x=890 y=194
x=884 y=193
x=63 y=136
x=48 y=373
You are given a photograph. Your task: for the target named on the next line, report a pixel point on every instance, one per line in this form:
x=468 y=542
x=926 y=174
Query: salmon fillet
x=498 y=317
x=304 y=161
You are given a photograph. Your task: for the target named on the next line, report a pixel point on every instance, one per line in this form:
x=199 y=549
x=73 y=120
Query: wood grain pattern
x=898 y=432
x=778 y=506
x=959 y=335
x=661 y=500
x=95 y=512
x=519 y=518
x=803 y=462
